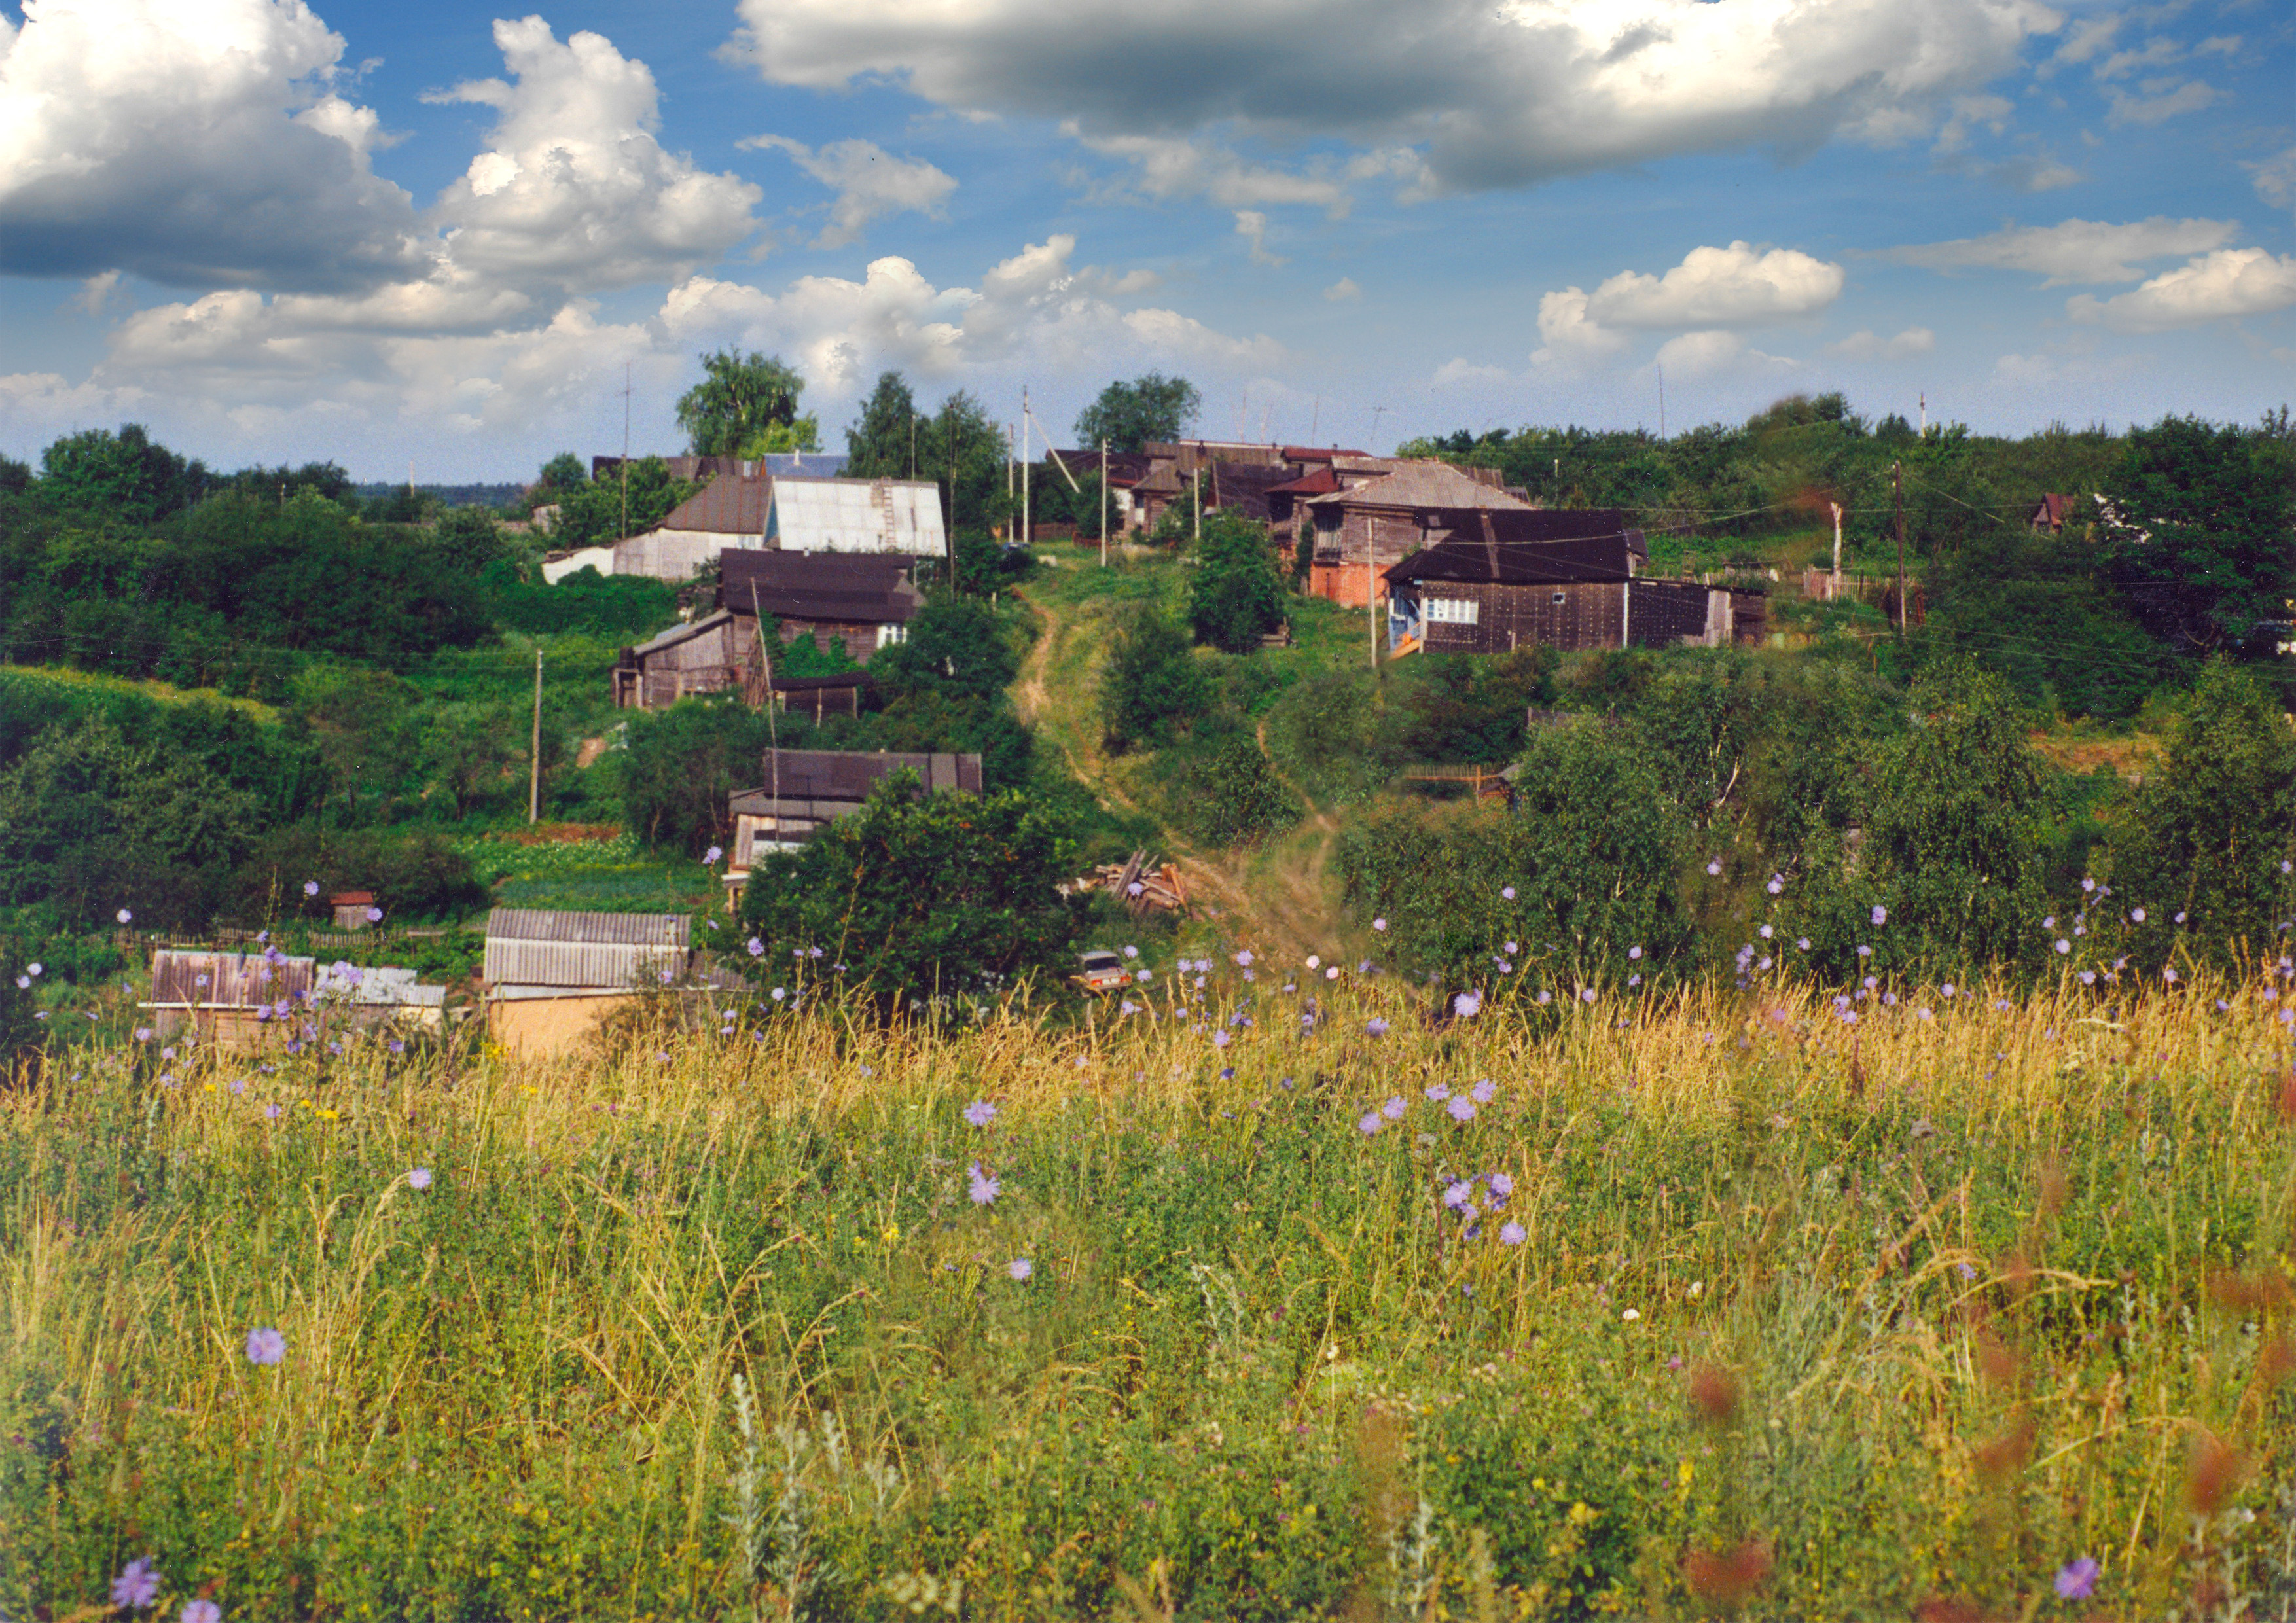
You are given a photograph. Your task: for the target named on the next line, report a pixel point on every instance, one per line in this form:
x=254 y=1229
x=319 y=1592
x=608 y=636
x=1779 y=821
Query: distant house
x=731 y=511
x=2050 y=513
x=853 y=515
x=863 y=601
x=803 y=789
x=551 y=976
x=350 y=908
x=240 y=1001
x=1364 y=529
x=1489 y=595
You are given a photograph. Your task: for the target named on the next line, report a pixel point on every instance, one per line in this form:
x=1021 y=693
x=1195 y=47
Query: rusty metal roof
x=729 y=504
x=227 y=980
x=1421 y=484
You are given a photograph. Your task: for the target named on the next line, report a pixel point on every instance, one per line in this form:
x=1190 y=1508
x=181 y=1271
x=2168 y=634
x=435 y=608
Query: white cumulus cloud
x=1870 y=346
x=191 y=144
x=2073 y=250
x=871 y=184
x=1715 y=352
x=2231 y=282
x=573 y=188
x=1481 y=94
x=1719 y=287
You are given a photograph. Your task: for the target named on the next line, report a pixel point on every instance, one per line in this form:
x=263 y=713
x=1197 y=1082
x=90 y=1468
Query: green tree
x=877 y=445
x=956 y=646
x=593 y=514
x=739 y=398
x=919 y=897
x=2197 y=539
x=476 y=752
x=125 y=476
x=468 y=539
x=1234 y=596
x=1151 y=689
x=363 y=723
x=801 y=434
x=1152 y=407
x=2214 y=827
x=677 y=767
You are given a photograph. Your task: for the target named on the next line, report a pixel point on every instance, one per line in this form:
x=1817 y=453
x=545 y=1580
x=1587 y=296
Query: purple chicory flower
x=2063 y=946
x=1378 y=923
x=1466 y=1006
x=418 y=1178
x=1243 y=959
x=1376 y=1026
x=1511 y=1233
x=124 y=916
x=2076 y=1579
x=310 y=887
x=1881 y=913
x=1456 y=1195
x=265 y=1345
x=1586 y=993
x=712 y=854
x=1021 y=1268
x=2136 y=915
x=1437 y=1092
x=1714 y=868
x=983 y=1188
x=1802 y=942
x=1502 y=1184
x=1508 y=890
x=1485 y=1091
x=1369 y=1124
x=138 y=1585
x=1461 y=1109
x=200 y=1611
x=756 y=947
x=1395 y=1109
x=1778 y=883
x=981 y=1112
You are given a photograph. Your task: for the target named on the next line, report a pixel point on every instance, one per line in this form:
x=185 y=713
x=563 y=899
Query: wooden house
x=551 y=976
x=1489 y=595
x=351 y=908
x=2051 y=513
x=802 y=790
x=862 y=600
x=1364 y=529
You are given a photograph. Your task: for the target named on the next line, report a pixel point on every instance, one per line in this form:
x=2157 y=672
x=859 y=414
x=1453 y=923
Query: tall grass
x=1780 y=1314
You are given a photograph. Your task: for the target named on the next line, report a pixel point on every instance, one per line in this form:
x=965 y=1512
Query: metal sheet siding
x=236 y=981
x=533 y=947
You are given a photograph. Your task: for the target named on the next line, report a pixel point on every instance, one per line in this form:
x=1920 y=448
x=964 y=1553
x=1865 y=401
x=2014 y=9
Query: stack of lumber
x=1143 y=884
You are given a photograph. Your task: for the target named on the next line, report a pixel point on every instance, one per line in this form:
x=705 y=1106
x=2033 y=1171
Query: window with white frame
x=890 y=633
x=1455 y=612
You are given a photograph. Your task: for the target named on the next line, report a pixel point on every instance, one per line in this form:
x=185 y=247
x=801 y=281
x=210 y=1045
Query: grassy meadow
x=1237 y=1306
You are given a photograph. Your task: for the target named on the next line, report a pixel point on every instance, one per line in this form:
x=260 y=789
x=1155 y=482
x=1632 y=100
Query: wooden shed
x=242 y=1000
x=553 y=976
x=1492 y=596
x=351 y=908
x=802 y=790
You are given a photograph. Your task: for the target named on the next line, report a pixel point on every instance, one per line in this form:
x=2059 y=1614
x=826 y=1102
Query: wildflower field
x=1243 y=1305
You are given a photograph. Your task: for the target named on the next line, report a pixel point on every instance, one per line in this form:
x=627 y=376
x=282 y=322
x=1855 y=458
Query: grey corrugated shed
x=530 y=946
x=234 y=980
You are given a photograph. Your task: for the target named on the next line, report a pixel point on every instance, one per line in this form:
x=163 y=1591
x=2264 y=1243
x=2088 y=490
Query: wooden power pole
x=1897 y=490
x=1103 y=503
x=534 y=756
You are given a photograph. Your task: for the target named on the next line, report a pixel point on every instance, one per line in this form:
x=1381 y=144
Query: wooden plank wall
x=1590 y=615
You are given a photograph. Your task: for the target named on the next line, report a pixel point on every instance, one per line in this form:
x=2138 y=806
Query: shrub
x=917 y=897
x=1235 y=596
x=1235 y=795
x=1151 y=687
x=414 y=880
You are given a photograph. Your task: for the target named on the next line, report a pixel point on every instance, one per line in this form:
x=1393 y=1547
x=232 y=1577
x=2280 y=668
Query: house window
x=1455 y=612
x=1558 y=600
x=889 y=633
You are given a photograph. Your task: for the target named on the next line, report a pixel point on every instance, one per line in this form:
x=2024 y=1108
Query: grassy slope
x=1981 y=1286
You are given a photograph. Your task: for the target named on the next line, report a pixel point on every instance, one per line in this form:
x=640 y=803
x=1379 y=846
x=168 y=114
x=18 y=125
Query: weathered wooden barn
x=1486 y=595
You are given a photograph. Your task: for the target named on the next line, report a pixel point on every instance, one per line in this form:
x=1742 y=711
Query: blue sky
x=443 y=236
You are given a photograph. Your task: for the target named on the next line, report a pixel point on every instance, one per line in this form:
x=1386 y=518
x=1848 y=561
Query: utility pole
x=1897 y=489
x=1835 y=590
x=1103 y=503
x=626 y=451
x=1662 y=402
x=1370 y=594
x=533 y=758
x=1196 y=485
x=1028 y=531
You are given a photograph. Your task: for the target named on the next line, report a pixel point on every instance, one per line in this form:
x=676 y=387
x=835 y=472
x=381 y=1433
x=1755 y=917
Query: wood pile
x=1144 y=884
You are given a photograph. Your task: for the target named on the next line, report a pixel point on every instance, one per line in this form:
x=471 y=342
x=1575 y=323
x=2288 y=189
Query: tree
x=468 y=538
x=918 y=897
x=1152 y=407
x=2215 y=825
x=877 y=447
x=1234 y=596
x=591 y=514
x=361 y=721
x=956 y=646
x=739 y=396
x=677 y=767
x=125 y=476
x=1151 y=687
x=2197 y=537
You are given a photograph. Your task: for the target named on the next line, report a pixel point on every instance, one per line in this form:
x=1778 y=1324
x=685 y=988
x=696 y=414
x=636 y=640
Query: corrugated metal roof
x=532 y=946
x=1421 y=484
x=728 y=505
x=1514 y=563
x=679 y=634
x=227 y=980
x=851 y=515
x=619 y=929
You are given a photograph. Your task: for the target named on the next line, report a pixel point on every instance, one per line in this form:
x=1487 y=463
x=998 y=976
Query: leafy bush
x=917 y=897
x=1235 y=596
x=414 y=879
x=626 y=606
x=1234 y=795
x=1152 y=688
x=2213 y=830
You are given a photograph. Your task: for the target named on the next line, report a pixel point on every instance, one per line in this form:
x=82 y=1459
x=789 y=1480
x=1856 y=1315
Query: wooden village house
x=1493 y=594
x=858 y=602
x=1362 y=529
